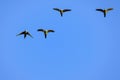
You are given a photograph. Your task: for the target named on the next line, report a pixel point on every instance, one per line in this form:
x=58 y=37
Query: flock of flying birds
x=61 y=11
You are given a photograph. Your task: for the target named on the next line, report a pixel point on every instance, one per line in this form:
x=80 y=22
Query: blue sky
x=85 y=45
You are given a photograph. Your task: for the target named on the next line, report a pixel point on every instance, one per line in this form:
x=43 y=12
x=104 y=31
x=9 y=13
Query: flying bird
x=25 y=33
x=61 y=11
x=45 y=31
x=104 y=11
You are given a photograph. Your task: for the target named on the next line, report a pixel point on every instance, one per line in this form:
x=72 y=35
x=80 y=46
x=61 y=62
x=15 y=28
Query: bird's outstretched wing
x=109 y=9
x=51 y=31
x=29 y=34
x=21 y=33
x=65 y=10
x=56 y=9
x=41 y=30
x=100 y=10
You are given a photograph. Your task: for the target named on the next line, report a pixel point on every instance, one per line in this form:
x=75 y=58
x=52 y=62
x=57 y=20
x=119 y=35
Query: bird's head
x=25 y=30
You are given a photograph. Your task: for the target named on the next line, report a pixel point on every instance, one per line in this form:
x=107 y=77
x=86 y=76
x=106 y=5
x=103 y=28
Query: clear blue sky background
x=85 y=45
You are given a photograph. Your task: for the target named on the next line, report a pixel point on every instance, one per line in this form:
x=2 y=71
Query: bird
x=61 y=10
x=104 y=11
x=25 y=33
x=45 y=31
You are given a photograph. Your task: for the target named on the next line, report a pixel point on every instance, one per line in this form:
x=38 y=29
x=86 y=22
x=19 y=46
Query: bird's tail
x=45 y=35
x=61 y=13
x=104 y=14
x=24 y=36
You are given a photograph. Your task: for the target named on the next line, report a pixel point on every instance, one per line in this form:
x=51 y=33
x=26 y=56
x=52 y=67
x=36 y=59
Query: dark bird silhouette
x=104 y=11
x=61 y=11
x=45 y=31
x=25 y=33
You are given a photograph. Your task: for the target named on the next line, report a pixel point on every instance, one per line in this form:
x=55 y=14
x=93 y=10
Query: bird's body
x=62 y=10
x=104 y=11
x=45 y=32
x=25 y=33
